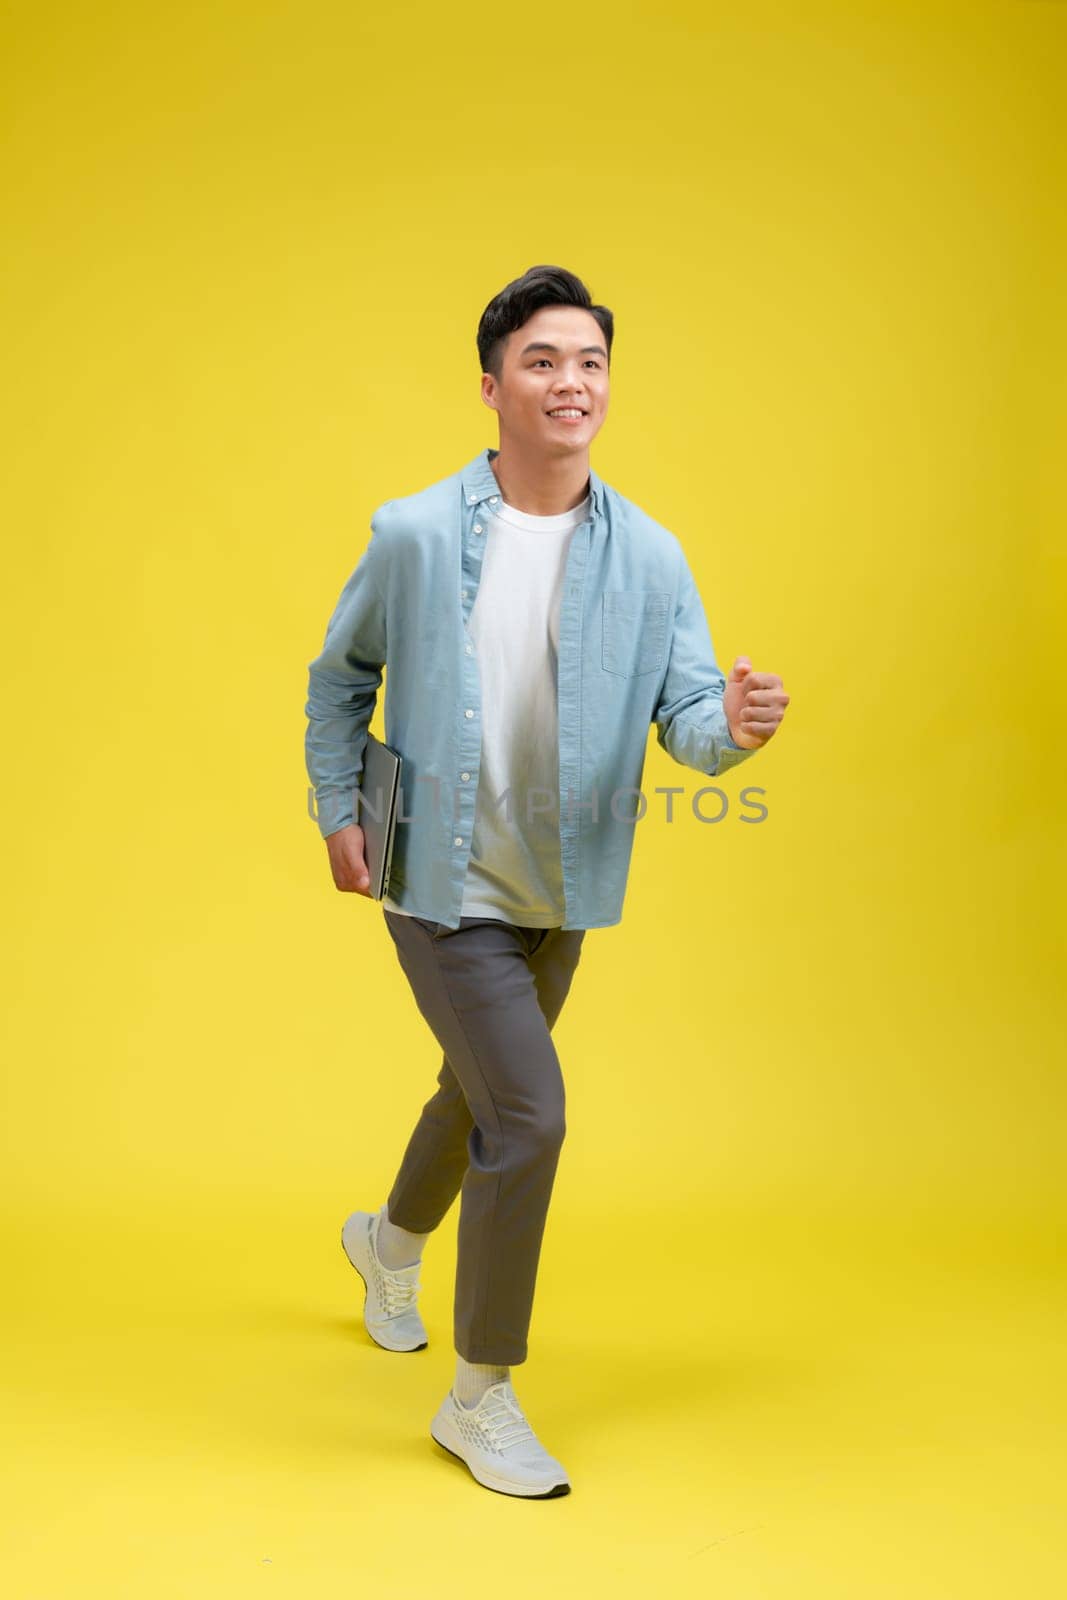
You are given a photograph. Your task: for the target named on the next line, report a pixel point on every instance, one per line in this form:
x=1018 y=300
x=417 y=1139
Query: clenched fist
x=754 y=703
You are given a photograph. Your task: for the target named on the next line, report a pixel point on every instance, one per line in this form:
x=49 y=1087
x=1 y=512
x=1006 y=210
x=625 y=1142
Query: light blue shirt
x=634 y=649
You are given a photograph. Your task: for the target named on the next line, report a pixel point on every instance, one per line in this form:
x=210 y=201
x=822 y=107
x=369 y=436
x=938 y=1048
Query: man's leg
x=436 y=1158
x=491 y=993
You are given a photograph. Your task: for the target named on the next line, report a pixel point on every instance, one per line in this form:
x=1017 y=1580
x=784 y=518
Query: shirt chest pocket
x=635 y=630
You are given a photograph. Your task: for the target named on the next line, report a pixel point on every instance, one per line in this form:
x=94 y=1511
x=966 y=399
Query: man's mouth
x=567 y=414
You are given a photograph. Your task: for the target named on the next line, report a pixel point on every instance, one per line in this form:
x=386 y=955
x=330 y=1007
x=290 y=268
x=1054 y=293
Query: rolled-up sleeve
x=690 y=721
x=343 y=684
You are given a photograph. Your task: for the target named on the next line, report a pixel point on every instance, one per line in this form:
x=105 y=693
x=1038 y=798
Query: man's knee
x=546 y=1131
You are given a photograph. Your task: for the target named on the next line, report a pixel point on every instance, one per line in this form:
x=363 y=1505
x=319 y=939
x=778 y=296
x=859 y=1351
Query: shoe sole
x=489 y=1480
x=402 y=1350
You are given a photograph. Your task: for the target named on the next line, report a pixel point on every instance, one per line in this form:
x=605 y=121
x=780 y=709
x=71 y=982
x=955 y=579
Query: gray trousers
x=491 y=992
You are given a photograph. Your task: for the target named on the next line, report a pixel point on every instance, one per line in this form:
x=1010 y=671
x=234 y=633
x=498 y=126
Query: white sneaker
x=390 y=1313
x=498 y=1444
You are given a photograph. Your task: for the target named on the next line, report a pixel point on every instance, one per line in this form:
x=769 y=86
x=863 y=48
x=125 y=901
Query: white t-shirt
x=514 y=871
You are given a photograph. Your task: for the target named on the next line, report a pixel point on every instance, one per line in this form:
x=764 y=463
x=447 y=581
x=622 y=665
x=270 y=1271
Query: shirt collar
x=479 y=482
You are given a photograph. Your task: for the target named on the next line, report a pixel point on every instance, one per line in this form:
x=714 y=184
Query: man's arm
x=343 y=684
x=690 y=720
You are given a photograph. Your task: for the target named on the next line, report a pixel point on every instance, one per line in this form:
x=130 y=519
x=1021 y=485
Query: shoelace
x=397 y=1294
x=503 y=1422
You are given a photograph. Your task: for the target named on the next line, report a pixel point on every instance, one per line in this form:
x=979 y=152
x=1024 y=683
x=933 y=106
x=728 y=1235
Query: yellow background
x=800 y=1296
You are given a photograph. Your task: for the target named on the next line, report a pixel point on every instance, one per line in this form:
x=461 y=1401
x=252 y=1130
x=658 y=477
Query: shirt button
x=457 y=840
x=477 y=527
x=471 y=498
x=463 y=594
x=468 y=713
x=466 y=777
x=470 y=649
x=492 y=499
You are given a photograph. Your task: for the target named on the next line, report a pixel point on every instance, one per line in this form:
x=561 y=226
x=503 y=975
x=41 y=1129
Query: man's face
x=556 y=361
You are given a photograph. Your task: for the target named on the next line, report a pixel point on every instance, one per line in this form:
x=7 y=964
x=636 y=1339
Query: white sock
x=396 y=1246
x=473 y=1379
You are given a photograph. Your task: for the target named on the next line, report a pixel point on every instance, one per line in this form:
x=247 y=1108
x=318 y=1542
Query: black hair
x=517 y=302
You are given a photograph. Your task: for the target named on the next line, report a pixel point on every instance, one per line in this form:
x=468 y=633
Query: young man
x=534 y=622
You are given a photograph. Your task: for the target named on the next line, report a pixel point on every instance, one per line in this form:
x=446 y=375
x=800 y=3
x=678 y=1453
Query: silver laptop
x=379 y=798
